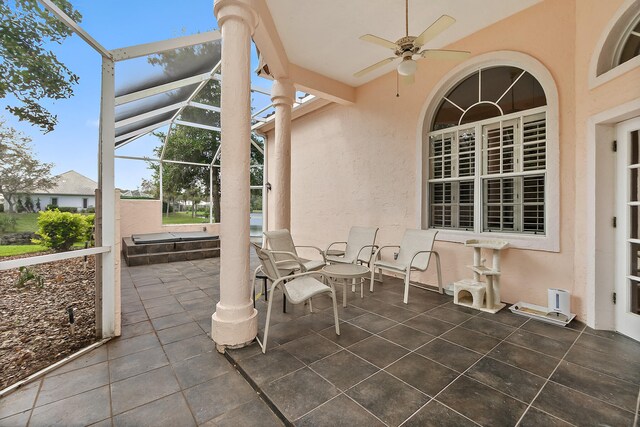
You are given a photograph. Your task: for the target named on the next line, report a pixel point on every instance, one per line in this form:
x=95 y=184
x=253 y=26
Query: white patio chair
x=280 y=243
x=414 y=253
x=297 y=288
x=360 y=247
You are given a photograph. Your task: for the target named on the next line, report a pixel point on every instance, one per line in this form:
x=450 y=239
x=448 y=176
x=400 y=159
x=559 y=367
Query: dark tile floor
x=426 y=363
x=434 y=363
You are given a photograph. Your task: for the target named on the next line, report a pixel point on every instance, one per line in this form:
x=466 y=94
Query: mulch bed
x=34 y=321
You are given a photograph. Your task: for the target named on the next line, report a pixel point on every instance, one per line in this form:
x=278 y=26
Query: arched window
x=487 y=154
x=618 y=50
x=629 y=46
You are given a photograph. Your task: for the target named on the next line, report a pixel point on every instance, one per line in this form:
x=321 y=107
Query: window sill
x=516 y=241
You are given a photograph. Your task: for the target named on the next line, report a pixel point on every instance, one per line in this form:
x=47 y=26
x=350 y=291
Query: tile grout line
x=173 y=372
x=549 y=376
x=474 y=364
x=170 y=364
x=635 y=419
x=33 y=406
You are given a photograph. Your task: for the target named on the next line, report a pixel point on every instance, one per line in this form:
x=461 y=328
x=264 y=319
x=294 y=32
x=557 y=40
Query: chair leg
x=373 y=278
x=439 y=272
x=310 y=306
x=253 y=285
x=335 y=311
x=266 y=327
x=407 y=278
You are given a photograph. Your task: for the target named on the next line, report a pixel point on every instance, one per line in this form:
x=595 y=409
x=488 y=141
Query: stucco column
x=235 y=322
x=282 y=95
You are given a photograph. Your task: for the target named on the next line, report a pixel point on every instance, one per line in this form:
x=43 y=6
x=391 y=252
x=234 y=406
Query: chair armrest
x=313 y=247
x=334 y=243
x=377 y=254
x=297 y=275
x=292 y=258
x=373 y=251
x=423 y=252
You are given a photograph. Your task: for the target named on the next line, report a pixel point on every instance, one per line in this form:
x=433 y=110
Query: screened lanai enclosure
x=170 y=88
x=178 y=89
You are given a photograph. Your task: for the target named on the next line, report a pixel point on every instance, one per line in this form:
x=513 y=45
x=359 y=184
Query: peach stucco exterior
x=358 y=164
x=145 y=216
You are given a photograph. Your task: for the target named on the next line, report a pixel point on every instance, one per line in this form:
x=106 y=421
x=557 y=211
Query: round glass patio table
x=347 y=272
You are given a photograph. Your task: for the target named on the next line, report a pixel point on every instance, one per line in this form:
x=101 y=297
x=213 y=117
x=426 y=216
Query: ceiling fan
x=408 y=47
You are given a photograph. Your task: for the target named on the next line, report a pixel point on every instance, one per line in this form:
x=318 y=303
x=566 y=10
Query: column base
x=234 y=334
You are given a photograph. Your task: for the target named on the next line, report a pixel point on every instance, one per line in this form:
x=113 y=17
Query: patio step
x=158 y=253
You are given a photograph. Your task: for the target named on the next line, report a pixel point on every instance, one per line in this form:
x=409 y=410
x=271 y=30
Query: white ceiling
x=322 y=35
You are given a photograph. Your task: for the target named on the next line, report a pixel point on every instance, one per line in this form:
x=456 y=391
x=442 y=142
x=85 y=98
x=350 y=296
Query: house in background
x=72 y=190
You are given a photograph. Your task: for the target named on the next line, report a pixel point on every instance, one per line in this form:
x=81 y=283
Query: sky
x=114 y=24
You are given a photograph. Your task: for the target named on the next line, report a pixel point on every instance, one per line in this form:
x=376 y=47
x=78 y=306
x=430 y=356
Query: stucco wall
x=145 y=216
x=356 y=165
x=593 y=19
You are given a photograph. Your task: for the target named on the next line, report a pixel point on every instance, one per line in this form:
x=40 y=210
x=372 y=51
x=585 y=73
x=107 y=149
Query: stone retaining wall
x=17 y=238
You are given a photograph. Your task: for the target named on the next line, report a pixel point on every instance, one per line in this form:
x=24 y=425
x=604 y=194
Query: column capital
x=283 y=92
x=243 y=10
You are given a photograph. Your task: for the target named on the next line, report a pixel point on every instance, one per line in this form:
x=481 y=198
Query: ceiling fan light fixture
x=407 y=67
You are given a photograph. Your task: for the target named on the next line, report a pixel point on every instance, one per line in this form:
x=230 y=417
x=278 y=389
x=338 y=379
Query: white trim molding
x=551 y=240
x=602 y=67
x=600 y=313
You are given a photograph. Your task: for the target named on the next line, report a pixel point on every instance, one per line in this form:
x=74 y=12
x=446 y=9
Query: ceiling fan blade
x=408 y=80
x=379 y=41
x=442 y=23
x=374 y=67
x=454 y=55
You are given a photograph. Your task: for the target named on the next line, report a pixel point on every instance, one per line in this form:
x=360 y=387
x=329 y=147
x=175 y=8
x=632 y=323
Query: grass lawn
x=12 y=250
x=183 y=218
x=24 y=221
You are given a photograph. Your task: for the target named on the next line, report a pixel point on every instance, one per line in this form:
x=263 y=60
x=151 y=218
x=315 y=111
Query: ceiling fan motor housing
x=405 y=44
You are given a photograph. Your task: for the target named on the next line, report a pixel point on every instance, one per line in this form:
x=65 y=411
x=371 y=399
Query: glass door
x=627 y=296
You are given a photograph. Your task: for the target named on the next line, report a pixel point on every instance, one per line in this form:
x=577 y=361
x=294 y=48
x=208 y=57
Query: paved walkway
x=162 y=371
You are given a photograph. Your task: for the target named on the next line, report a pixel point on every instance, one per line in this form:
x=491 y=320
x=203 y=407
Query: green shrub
x=90 y=210
x=8 y=223
x=62 y=208
x=90 y=222
x=60 y=230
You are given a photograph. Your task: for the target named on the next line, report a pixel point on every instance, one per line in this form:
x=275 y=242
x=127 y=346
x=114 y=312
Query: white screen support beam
x=150 y=114
x=197 y=125
x=204 y=106
x=73 y=26
x=142 y=131
x=106 y=168
x=162 y=88
x=164 y=45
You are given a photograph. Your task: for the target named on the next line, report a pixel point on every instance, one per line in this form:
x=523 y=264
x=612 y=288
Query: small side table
x=347 y=272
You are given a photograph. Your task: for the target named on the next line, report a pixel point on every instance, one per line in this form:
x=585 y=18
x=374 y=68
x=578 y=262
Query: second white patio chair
x=297 y=288
x=360 y=247
x=414 y=253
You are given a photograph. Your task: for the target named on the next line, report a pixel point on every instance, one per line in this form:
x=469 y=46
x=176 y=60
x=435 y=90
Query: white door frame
x=626 y=323
x=601 y=170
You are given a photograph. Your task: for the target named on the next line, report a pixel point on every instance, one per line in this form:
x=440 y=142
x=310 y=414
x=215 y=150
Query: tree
x=194 y=144
x=20 y=172
x=150 y=187
x=31 y=72
x=28 y=203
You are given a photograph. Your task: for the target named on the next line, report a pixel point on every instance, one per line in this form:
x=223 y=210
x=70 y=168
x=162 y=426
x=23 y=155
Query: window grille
x=490 y=175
